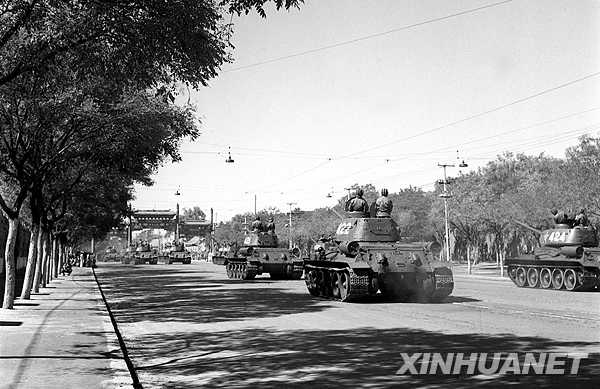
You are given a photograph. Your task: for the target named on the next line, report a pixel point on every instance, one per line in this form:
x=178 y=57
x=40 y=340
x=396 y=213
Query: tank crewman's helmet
x=384 y=192
x=359 y=192
x=554 y=211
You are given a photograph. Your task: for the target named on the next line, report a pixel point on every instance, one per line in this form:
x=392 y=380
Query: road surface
x=188 y=326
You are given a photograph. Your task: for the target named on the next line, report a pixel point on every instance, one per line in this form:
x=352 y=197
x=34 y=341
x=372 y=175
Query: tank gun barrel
x=539 y=232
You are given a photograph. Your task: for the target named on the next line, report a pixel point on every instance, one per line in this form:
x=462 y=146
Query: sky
x=381 y=91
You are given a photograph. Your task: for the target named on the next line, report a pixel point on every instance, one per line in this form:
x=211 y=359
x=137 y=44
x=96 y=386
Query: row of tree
x=482 y=211
x=87 y=92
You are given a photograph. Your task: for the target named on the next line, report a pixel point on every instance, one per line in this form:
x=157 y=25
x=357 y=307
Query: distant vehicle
x=260 y=253
x=366 y=256
x=568 y=259
x=178 y=253
x=111 y=255
x=145 y=254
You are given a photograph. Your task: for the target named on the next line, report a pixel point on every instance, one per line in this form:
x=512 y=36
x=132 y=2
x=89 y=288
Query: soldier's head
x=554 y=211
x=384 y=192
x=271 y=219
x=359 y=192
x=257 y=218
x=353 y=193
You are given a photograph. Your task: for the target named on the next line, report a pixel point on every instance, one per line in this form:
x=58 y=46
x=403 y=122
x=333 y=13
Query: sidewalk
x=61 y=338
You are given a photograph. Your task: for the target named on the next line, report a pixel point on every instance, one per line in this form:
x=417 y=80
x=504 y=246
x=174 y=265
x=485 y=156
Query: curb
x=128 y=362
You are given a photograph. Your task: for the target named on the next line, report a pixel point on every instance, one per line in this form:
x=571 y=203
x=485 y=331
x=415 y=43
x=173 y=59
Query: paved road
x=188 y=325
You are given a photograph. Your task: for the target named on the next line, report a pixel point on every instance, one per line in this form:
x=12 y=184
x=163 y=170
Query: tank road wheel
x=532 y=277
x=521 y=277
x=545 y=278
x=343 y=279
x=244 y=274
x=570 y=279
x=558 y=278
x=321 y=282
x=512 y=273
x=335 y=287
x=311 y=282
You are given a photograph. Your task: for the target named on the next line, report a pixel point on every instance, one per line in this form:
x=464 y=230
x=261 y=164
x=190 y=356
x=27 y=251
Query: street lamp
x=229 y=159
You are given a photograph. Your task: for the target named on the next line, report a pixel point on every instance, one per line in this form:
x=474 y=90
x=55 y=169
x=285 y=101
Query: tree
x=194 y=213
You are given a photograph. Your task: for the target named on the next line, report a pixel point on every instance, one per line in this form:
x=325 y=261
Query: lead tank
x=144 y=253
x=367 y=256
x=260 y=254
x=568 y=259
x=178 y=253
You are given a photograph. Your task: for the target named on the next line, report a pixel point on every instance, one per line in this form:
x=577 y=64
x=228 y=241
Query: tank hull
x=179 y=256
x=278 y=262
x=141 y=258
x=558 y=273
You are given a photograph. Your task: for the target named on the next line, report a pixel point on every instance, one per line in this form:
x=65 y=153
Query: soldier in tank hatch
x=581 y=218
x=271 y=226
x=351 y=196
x=384 y=205
x=257 y=225
x=358 y=203
x=559 y=216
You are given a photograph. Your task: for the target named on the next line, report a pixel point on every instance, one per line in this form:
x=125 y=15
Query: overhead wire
x=366 y=37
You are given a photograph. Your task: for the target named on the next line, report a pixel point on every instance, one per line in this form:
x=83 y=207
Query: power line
x=477 y=115
x=366 y=37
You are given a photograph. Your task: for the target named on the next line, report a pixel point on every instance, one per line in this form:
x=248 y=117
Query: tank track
x=341 y=284
x=557 y=276
x=241 y=270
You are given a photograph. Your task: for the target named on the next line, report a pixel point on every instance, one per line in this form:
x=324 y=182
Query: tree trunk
x=46 y=273
x=61 y=255
x=9 y=260
x=502 y=264
x=54 y=258
x=31 y=261
x=39 y=262
x=468 y=259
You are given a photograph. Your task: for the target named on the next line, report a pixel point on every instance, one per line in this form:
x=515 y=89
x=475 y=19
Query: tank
x=260 y=254
x=568 y=259
x=367 y=256
x=144 y=253
x=111 y=254
x=128 y=256
x=178 y=253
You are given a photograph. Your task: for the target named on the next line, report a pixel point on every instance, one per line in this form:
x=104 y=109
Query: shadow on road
x=350 y=358
x=169 y=294
x=258 y=357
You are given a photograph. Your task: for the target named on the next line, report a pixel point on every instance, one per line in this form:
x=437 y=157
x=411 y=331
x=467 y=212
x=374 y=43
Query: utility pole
x=255 y=204
x=445 y=195
x=177 y=218
x=290 y=223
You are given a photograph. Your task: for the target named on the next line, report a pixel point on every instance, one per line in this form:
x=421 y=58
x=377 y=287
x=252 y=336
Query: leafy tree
x=194 y=213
